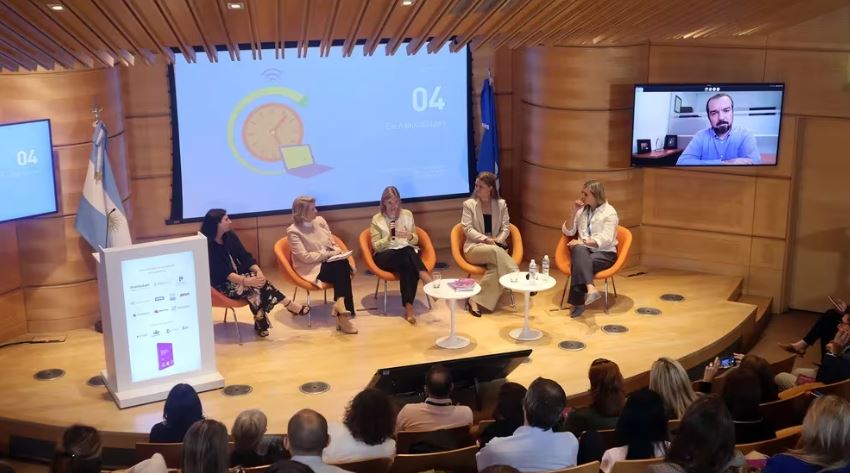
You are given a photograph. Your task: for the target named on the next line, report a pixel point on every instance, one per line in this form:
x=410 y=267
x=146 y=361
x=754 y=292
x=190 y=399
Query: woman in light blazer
x=486 y=223
x=313 y=245
x=394 y=240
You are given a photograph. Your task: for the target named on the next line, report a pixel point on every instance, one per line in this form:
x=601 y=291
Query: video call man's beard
x=721 y=127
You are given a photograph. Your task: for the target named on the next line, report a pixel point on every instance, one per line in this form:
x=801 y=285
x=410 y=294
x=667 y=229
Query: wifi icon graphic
x=272 y=74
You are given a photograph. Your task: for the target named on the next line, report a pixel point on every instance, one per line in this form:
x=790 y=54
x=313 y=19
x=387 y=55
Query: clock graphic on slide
x=269 y=127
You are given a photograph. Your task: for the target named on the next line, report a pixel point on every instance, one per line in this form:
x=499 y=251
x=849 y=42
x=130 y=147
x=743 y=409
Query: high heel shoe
x=790 y=348
x=475 y=313
x=338 y=307
x=304 y=309
x=344 y=325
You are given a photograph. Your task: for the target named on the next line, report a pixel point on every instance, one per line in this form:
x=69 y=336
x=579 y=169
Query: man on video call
x=721 y=143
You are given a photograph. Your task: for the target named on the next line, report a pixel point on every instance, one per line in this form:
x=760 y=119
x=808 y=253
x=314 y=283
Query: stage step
x=762 y=317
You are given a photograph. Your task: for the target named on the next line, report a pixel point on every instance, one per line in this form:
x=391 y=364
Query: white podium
x=157 y=329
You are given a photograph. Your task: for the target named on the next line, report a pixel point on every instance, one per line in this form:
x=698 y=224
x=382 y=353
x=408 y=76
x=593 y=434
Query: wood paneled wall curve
x=50 y=284
x=576 y=126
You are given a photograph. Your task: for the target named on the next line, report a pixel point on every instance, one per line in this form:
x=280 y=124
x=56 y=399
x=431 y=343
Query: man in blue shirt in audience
x=721 y=143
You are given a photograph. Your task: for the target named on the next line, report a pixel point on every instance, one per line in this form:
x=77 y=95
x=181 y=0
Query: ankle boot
x=344 y=325
x=338 y=307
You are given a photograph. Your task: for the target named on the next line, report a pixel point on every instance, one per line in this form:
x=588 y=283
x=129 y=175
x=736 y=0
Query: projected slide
x=253 y=135
x=706 y=124
x=27 y=185
x=162 y=315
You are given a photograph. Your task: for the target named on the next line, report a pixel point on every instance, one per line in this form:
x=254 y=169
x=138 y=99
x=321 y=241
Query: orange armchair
x=563 y=262
x=220 y=300
x=458 y=238
x=426 y=253
x=283 y=252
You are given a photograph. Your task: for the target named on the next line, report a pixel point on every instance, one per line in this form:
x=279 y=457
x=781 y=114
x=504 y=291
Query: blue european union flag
x=488 y=150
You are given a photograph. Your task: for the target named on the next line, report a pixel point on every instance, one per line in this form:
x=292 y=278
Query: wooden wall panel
x=145 y=90
x=695 y=250
x=816 y=81
x=820 y=263
x=149 y=146
x=149 y=220
x=698 y=201
x=771 y=208
x=584 y=78
x=570 y=139
x=10 y=277
x=52 y=252
x=703 y=64
x=13 y=316
x=59 y=308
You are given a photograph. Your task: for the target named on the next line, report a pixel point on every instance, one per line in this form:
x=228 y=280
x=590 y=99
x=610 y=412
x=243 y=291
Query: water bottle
x=544 y=267
x=532 y=270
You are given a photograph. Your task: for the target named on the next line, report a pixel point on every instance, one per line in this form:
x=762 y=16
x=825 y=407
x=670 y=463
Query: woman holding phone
x=824 y=329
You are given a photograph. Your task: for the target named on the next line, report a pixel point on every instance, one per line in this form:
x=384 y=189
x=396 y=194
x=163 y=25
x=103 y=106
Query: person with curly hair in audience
x=824 y=443
x=205 y=448
x=705 y=441
x=80 y=451
x=608 y=398
x=182 y=409
x=366 y=431
x=251 y=445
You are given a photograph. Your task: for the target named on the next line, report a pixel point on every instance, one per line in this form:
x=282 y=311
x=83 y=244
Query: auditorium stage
x=705 y=323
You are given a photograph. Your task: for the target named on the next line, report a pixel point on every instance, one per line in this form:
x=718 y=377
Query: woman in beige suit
x=313 y=246
x=486 y=223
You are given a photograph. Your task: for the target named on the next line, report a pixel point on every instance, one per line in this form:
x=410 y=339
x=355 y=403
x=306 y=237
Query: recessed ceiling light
x=235 y=5
x=55 y=6
x=407 y=3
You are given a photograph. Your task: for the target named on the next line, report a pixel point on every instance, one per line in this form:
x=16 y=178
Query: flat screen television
x=27 y=181
x=706 y=124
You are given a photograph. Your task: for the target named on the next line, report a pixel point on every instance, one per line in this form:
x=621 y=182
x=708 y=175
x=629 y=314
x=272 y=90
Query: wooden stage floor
x=692 y=331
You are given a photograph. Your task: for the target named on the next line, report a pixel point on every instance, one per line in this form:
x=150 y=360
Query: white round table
x=526 y=286
x=452 y=341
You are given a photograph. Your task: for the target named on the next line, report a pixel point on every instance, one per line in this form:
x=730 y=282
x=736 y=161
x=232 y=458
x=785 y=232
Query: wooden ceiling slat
x=232 y=47
x=185 y=47
x=149 y=31
x=375 y=39
x=507 y=24
x=42 y=57
x=115 y=21
x=279 y=40
x=50 y=26
x=394 y=44
x=540 y=18
x=552 y=29
x=436 y=44
x=8 y=63
x=325 y=46
x=465 y=37
x=414 y=45
x=20 y=57
x=351 y=39
x=305 y=23
x=256 y=53
x=113 y=53
x=208 y=46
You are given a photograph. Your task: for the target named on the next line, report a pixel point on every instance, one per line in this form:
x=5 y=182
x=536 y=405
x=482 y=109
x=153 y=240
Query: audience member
x=742 y=394
x=366 y=431
x=705 y=441
x=289 y=466
x=762 y=369
x=508 y=414
x=500 y=469
x=824 y=444
x=824 y=330
x=182 y=409
x=669 y=379
x=535 y=446
x=608 y=398
x=437 y=412
x=306 y=437
x=251 y=447
x=154 y=464
x=205 y=448
x=642 y=426
x=835 y=364
x=79 y=452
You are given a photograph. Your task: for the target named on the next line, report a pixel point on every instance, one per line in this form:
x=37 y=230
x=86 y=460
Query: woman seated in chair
x=234 y=272
x=486 y=225
x=314 y=258
x=593 y=222
x=394 y=242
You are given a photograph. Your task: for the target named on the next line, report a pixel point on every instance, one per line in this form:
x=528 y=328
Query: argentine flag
x=100 y=218
x=488 y=150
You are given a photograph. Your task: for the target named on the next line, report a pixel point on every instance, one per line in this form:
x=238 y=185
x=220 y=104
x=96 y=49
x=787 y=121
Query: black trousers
x=338 y=273
x=585 y=264
x=824 y=329
x=406 y=264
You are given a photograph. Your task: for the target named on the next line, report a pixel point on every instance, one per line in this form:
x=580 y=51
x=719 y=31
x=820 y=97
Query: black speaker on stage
x=410 y=379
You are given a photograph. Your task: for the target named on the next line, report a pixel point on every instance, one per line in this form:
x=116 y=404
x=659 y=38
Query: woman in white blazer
x=394 y=241
x=486 y=223
x=594 y=223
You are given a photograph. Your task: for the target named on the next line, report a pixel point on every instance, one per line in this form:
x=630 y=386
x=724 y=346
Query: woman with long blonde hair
x=668 y=378
x=825 y=441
